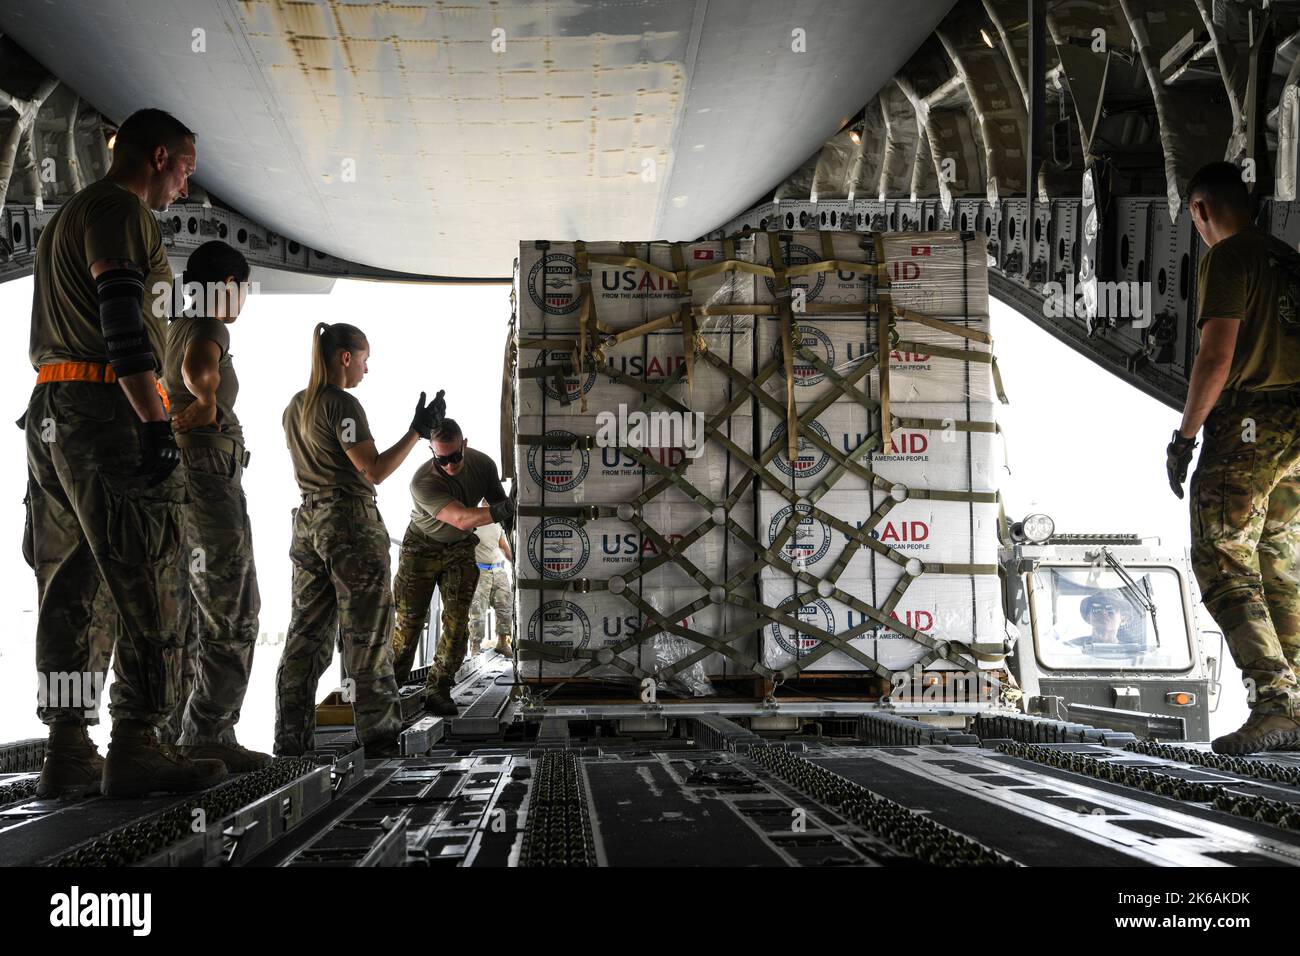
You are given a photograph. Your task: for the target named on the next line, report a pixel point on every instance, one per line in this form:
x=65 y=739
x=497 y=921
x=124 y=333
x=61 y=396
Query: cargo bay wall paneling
x=1138 y=94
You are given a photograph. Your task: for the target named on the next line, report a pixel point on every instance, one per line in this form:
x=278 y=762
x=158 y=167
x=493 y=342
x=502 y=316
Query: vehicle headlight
x=1038 y=528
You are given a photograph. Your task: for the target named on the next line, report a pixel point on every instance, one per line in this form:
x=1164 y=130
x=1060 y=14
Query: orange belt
x=98 y=372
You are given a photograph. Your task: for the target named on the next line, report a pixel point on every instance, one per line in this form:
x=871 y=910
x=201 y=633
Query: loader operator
x=492 y=557
x=105 y=495
x=438 y=551
x=1245 y=494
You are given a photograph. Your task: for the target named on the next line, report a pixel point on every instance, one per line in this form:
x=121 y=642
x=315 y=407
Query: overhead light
x=988 y=40
x=855 y=134
x=112 y=139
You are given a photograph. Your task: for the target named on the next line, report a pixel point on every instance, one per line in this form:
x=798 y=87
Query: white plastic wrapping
x=562 y=548
x=624 y=296
x=915 y=374
x=598 y=620
x=966 y=608
x=945 y=459
x=652 y=358
x=609 y=475
x=934 y=532
x=938 y=273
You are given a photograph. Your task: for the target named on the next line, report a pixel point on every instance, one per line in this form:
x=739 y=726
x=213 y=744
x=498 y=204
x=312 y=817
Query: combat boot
x=475 y=648
x=72 y=767
x=437 y=700
x=138 y=764
x=237 y=759
x=1259 y=733
x=504 y=647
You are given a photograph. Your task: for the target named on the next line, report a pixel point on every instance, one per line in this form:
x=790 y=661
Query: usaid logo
x=810 y=540
x=809 y=458
x=639 y=283
x=904 y=444
x=903 y=535
x=918 y=619
x=558 y=547
x=818 y=614
x=800 y=256
x=558 y=469
x=817 y=342
x=557 y=292
x=562 y=623
x=575 y=386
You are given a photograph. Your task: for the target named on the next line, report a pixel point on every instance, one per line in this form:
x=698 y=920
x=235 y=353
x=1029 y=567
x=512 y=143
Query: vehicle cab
x=1107 y=633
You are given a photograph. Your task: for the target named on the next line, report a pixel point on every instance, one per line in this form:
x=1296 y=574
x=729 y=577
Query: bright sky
x=1083 y=447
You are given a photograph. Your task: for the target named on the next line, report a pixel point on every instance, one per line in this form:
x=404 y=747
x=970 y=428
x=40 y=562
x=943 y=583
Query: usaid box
x=608 y=474
x=943 y=458
x=623 y=295
x=964 y=608
x=915 y=374
x=942 y=455
x=651 y=359
x=934 y=532
x=594 y=621
x=843 y=426
x=937 y=273
x=561 y=548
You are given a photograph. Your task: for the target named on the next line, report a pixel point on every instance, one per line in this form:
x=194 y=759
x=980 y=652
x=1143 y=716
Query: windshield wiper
x=1136 y=594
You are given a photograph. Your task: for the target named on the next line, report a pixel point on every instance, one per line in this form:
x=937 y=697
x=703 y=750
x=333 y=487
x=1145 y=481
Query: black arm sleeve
x=121 y=317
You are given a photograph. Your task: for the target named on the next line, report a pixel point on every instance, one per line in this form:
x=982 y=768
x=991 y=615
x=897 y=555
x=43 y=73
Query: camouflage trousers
x=424 y=565
x=493 y=590
x=95 y=524
x=340 y=590
x=224 y=598
x=1245 y=503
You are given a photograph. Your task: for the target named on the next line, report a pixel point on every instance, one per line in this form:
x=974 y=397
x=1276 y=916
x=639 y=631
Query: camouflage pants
x=226 y=602
x=494 y=590
x=340 y=589
x=95 y=524
x=424 y=565
x=96 y=641
x=1245 y=501
x=170 y=732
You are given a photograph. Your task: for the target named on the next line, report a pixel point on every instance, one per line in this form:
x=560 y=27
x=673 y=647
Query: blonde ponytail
x=326 y=340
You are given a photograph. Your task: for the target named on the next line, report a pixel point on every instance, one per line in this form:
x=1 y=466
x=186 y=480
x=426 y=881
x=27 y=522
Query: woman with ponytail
x=340 y=549
x=201 y=387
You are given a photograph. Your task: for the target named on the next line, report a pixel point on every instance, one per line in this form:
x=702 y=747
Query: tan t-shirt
x=432 y=490
x=1255 y=278
x=103 y=221
x=322 y=464
x=488 y=549
x=180 y=333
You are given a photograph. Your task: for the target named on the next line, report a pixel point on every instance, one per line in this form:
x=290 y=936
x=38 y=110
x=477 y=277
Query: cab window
x=1086 y=618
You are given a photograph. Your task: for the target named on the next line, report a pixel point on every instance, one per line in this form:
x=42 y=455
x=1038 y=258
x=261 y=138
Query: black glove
x=429 y=417
x=159 y=455
x=1178 y=456
x=503 y=513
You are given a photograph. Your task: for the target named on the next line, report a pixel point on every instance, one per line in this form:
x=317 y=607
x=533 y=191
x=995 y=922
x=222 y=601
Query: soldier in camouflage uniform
x=105 y=498
x=202 y=387
x=493 y=590
x=438 y=551
x=1245 y=494
x=341 y=584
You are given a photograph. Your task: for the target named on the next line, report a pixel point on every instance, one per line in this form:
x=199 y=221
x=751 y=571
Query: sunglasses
x=1108 y=609
x=450 y=459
